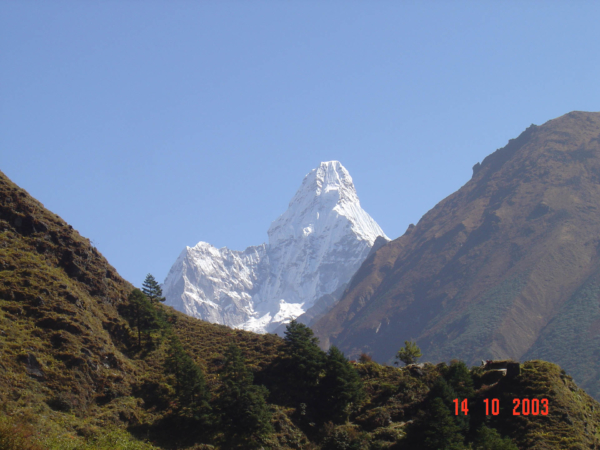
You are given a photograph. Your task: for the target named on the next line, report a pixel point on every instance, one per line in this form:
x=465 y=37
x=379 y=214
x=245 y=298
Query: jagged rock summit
x=314 y=249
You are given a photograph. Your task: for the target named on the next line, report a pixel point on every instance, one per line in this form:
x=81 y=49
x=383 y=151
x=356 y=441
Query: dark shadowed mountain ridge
x=506 y=267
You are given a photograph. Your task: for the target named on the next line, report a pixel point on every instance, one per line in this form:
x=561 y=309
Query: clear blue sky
x=153 y=125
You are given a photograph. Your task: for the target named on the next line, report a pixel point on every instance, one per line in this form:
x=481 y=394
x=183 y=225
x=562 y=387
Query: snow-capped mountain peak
x=314 y=248
x=326 y=193
x=329 y=176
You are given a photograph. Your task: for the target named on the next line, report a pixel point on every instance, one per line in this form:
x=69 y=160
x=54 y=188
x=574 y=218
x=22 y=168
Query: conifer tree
x=459 y=378
x=305 y=360
x=142 y=314
x=441 y=431
x=445 y=391
x=442 y=389
x=152 y=289
x=340 y=387
x=244 y=413
x=409 y=354
x=190 y=383
x=301 y=367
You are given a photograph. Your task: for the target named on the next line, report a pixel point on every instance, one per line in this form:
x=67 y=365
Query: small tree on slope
x=304 y=362
x=152 y=289
x=340 y=387
x=190 y=384
x=142 y=314
x=441 y=432
x=409 y=354
x=244 y=413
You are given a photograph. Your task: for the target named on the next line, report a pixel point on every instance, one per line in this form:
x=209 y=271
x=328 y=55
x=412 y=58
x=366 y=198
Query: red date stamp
x=534 y=406
x=524 y=406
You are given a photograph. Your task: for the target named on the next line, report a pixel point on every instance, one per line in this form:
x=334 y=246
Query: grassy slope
x=71 y=376
x=68 y=360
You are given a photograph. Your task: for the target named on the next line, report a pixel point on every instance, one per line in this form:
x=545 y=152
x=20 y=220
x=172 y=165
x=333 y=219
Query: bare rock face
x=314 y=248
x=33 y=367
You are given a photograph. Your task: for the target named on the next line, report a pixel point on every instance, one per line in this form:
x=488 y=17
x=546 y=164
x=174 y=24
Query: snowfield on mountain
x=314 y=248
